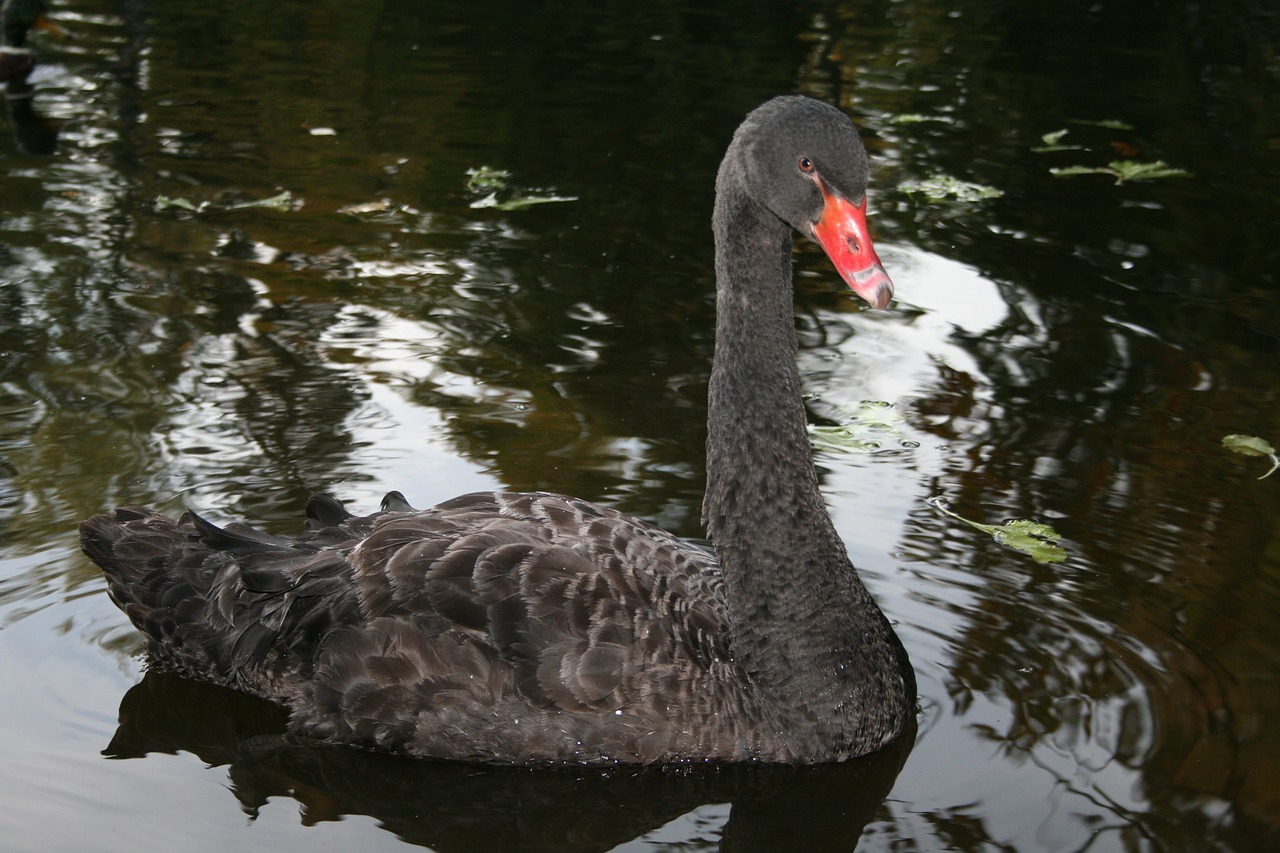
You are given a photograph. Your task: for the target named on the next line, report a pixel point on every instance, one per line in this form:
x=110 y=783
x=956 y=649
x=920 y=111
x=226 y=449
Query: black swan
x=536 y=628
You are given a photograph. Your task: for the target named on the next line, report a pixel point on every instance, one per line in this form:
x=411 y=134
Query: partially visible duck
x=33 y=132
x=519 y=628
x=17 y=19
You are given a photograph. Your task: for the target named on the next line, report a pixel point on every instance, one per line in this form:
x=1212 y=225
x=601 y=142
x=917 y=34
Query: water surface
x=1072 y=351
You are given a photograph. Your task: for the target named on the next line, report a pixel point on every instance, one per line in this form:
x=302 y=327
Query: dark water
x=1072 y=351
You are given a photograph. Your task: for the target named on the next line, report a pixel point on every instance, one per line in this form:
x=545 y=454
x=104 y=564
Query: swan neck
x=805 y=629
x=763 y=506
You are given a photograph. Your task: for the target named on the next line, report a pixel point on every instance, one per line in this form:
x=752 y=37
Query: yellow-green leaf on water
x=1031 y=537
x=163 y=202
x=1034 y=538
x=280 y=201
x=1251 y=445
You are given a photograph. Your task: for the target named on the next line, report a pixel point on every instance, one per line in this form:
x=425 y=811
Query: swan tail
x=228 y=604
x=137 y=550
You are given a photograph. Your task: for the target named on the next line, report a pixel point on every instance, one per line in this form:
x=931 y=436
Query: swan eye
x=806 y=165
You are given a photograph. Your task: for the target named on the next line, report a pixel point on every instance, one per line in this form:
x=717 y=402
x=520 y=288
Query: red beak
x=842 y=233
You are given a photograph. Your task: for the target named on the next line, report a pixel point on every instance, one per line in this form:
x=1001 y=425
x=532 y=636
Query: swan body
x=538 y=628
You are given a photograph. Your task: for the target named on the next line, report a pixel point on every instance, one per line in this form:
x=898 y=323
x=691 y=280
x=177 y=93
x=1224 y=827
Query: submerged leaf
x=1251 y=445
x=1034 y=538
x=942 y=187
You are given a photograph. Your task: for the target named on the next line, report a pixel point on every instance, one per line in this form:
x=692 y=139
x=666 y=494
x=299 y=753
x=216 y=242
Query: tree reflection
x=1099 y=403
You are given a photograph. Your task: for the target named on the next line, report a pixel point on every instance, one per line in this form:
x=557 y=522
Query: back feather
x=492 y=627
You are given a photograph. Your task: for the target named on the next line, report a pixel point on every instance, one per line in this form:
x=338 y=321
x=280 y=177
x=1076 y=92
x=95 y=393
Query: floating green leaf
x=1131 y=170
x=1053 y=142
x=865 y=429
x=1068 y=171
x=1110 y=123
x=381 y=205
x=485 y=179
x=519 y=203
x=943 y=187
x=164 y=202
x=1125 y=170
x=1251 y=445
x=1034 y=538
x=281 y=201
x=841 y=438
x=915 y=118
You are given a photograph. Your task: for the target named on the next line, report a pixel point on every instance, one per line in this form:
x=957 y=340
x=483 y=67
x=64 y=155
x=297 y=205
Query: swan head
x=803 y=161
